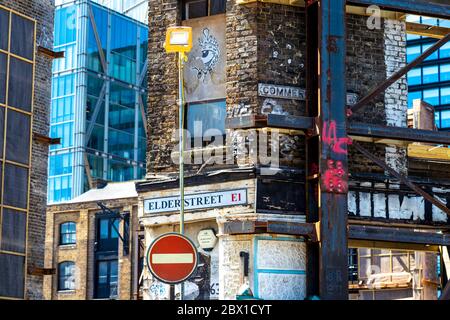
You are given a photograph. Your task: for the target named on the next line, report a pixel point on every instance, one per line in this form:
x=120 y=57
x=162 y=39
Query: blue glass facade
x=98 y=98
x=430 y=81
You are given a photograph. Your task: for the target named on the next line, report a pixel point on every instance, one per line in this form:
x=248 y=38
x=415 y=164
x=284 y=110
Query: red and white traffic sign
x=172 y=258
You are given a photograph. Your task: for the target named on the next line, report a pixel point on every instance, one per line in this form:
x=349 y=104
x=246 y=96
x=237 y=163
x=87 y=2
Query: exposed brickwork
x=43 y=12
x=83 y=252
x=163 y=85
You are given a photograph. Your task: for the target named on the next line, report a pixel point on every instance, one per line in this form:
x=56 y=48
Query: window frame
x=65 y=277
x=71 y=233
x=185 y=124
x=185 y=10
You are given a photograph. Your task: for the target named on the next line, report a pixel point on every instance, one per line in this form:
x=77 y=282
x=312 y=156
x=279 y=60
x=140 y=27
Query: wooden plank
x=426 y=30
x=428 y=152
x=356 y=243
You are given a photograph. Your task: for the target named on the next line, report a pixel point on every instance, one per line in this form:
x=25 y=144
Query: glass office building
x=430 y=81
x=98 y=99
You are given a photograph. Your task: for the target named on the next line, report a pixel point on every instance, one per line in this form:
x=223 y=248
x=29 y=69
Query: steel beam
x=400 y=73
x=388 y=133
x=97 y=108
x=333 y=158
x=437 y=8
x=98 y=41
x=402 y=178
x=403 y=235
x=312 y=145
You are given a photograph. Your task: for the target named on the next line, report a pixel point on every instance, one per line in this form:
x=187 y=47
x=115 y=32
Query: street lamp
x=179 y=39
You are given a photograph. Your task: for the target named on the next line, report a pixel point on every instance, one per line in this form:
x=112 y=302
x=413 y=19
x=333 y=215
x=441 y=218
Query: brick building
x=25 y=81
x=247 y=69
x=94 y=249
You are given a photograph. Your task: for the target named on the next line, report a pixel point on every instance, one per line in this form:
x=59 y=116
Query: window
x=3 y=61
x=433 y=56
x=413 y=96
x=415 y=77
x=352 y=265
x=20 y=84
x=437 y=119
x=206 y=119
x=445 y=95
x=67 y=233
x=412 y=53
x=66 y=276
x=17 y=42
x=107 y=234
x=445 y=72
x=445 y=119
x=202 y=8
x=431 y=96
x=430 y=74
x=106 y=280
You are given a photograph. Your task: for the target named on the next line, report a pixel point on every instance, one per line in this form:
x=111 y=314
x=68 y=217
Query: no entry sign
x=172 y=258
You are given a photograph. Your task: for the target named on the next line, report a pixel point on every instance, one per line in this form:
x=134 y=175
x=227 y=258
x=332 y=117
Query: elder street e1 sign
x=172 y=258
x=196 y=201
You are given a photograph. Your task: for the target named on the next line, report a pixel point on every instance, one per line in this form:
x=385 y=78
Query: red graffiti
x=333 y=179
x=339 y=145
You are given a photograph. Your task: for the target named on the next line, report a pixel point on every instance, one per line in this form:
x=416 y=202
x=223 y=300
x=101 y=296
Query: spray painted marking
x=169 y=258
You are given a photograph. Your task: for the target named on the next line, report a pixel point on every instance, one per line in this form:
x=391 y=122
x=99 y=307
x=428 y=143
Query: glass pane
x=14 y=225
x=4 y=29
x=445 y=119
x=121 y=118
x=206 y=119
x=103 y=272
x=445 y=95
x=3 y=62
x=18 y=137
x=431 y=96
x=413 y=96
x=217 y=6
x=12 y=276
x=22 y=36
x=115 y=229
x=430 y=74
x=445 y=72
x=20 y=84
x=2 y=126
x=65 y=25
x=125 y=41
x=415 y=77
x=16 y=186
x=121 y=144
x=433 y=56
x=104 y=229
x=412 y=53
x=196 y=9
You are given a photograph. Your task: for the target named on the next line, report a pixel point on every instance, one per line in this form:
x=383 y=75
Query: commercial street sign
x=196 y=201
x=282 y=92
x=172 y=258
x=293 y=93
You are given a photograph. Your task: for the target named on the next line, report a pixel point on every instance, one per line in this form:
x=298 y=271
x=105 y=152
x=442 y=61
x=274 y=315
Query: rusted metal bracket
x=50 y=53
x=400 y=73
x=402 y=178
x=35 y=271
x=47 y=140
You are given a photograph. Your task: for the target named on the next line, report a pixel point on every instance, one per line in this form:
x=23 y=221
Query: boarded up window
x=22 y=37
x=15 y=186
x=20 y=84
x=14 y=225
x=12 y=275
x=18 y=141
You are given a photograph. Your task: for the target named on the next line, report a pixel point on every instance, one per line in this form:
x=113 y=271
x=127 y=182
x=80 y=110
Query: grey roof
x=113 y=190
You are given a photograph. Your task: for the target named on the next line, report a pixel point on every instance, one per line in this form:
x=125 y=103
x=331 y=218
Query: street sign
x=172 y=258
